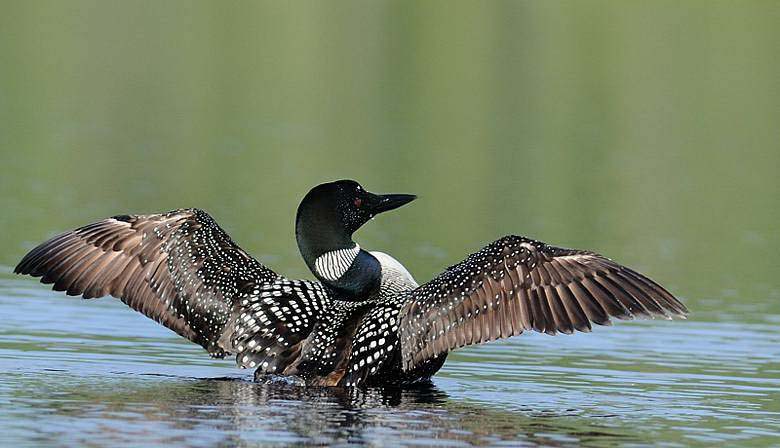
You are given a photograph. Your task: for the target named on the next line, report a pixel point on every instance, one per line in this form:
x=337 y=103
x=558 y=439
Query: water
x=647 y=132
x=98 y=374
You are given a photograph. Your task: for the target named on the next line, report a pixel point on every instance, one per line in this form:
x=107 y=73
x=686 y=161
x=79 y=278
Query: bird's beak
x=386 y=202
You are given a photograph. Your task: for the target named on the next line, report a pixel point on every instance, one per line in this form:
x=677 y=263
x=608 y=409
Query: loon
x=365 y=321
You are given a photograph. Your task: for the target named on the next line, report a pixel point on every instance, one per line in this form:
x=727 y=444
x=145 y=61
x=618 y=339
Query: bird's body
x=366 y=322
x=332 y=340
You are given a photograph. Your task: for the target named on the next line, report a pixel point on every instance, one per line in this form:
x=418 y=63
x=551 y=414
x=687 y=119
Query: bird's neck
x=333 y=257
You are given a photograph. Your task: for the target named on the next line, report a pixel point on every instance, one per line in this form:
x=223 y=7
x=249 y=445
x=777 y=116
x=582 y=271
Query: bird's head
x=333 y=211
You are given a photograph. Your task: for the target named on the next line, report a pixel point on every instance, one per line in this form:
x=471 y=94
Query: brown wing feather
x=178 y=268
x=517 y=284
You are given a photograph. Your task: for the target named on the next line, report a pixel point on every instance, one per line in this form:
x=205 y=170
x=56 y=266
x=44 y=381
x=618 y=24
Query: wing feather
x=178 y=268
x=517 y=284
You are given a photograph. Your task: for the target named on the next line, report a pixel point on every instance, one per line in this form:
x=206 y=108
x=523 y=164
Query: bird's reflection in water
x=227 y=411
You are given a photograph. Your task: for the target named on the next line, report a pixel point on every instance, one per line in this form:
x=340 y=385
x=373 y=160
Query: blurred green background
x=644 y=130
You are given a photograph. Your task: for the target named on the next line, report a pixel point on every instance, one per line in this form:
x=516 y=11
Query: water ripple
x=93 y=373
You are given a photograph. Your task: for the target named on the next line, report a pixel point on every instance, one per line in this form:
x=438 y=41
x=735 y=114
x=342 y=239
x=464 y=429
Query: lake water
x=78 y=373
x=644 y=131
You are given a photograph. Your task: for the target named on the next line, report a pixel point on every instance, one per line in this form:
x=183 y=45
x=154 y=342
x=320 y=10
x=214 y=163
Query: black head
x=330 y=213
x=342 y=207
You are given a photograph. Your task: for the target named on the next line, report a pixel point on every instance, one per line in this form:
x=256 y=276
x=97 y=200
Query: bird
x=364 y=321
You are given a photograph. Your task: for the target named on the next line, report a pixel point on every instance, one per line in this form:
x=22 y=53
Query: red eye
x=358 y=202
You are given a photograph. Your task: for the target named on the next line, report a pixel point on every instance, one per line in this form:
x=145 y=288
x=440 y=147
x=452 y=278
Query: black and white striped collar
x=334 y=264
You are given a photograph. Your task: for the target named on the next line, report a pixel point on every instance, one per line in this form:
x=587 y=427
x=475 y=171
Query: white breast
x=394 y=275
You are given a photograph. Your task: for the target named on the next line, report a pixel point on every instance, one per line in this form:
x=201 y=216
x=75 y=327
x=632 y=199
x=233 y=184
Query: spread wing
x=517 y=284
x=178 y=268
